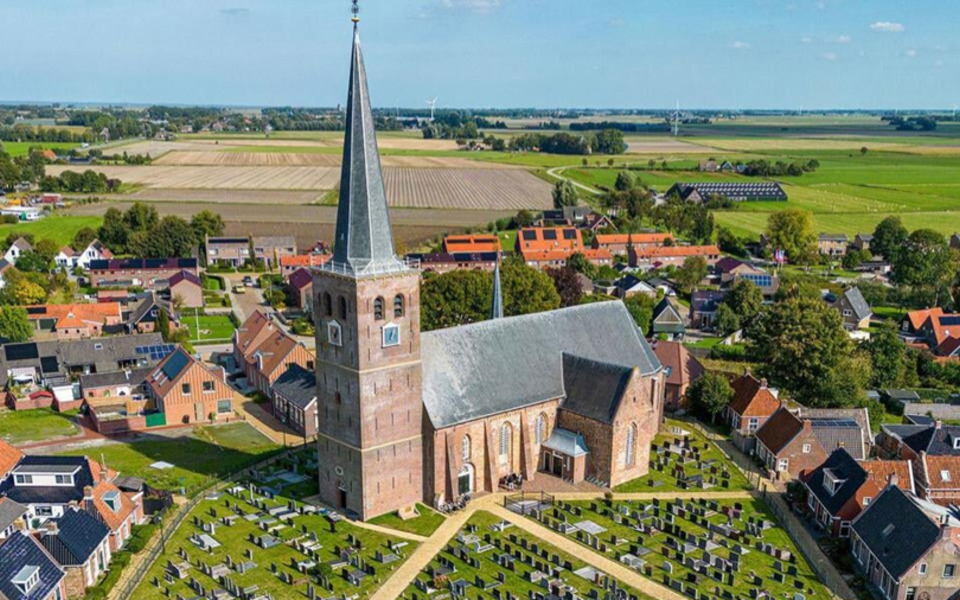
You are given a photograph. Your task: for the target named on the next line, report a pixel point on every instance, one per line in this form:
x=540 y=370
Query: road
x=557 y=173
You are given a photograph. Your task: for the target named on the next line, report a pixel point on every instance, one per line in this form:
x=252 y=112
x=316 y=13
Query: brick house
x=938 y=479
x=300 y=289
x=74 y=321
x=28 y=572
x=681 y=369
x=907 y=547
x=703 y=307
x=541 y=259
x=270 y=249
x=471 y=243
x=753 y=403
x=840 y=488
x=148 y=273
x=264 y=351
x=660 y=256
x=295 y=400
x=546 y=239
x=618 y=243
x=229 y=251
x=119 y=510
x=791 y=445
x=833 y=244
x=188 y=288
x=853 y=308
x=80 y=543
x=441 y=262
x=188 y=391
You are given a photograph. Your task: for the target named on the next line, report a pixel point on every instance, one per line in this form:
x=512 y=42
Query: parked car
x=248 y=281
x=239 y=289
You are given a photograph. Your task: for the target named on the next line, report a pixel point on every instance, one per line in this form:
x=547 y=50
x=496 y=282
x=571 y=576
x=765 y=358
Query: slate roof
x=58 y=494
x=632 y=283
x=133 y=377
x=297 y=385
x=18 y=551
x=897 y=529
x=859 y=415
x=566 y=442
x=936 y=441
x=593 y=388
x=143 y=309
x=839 y=433
x=705 y=300
x=363 y=238
x=10 y=511
x=487 y=368
x=183 y=276
x=79 y=534
x=858 y=304
x=842 y=466
x=300 y=278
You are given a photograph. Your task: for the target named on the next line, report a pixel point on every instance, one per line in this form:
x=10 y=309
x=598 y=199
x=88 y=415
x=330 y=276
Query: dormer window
x=112 y=499
x=956 y=443
x=98 y=346
x=26 y=579
x=831 y=482
x=945 y=475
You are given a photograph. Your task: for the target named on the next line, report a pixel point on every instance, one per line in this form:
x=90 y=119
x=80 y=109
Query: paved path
x=557 y=173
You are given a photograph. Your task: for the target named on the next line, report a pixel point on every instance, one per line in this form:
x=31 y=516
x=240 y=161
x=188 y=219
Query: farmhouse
x=149 y=273
x=618 y=243
x=74 y=321
x=575 y=392
x=736 y=191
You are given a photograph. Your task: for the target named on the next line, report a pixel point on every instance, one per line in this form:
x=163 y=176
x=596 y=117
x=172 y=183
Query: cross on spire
x=355 y=9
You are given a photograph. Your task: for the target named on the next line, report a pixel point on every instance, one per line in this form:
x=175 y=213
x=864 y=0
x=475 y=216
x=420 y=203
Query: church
x=407 y=417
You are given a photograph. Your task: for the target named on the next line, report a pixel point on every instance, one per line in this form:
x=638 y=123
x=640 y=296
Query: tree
x=114 y=232
x=564 y=194
x=925 y=263
x=141 y=217
x=24 y=291
x=579 y=263
x=608 y=141
x=711 y=394
x=163 y=325
x=745 y=299
x=854 y=258
x=689 y=275
x=33 y=262
x=640 y=307
x=83 y=238
x=863 y=150
x=206 y=223
x=625 y=181
x=726 y=320
x=455 y=298
x=47 y=249
x=889 y=235
x=888 y=356
x=172 y=237
x=526 y=290
x=804 y=349
x=15 y=327
x=792 y=231
x=566 y=280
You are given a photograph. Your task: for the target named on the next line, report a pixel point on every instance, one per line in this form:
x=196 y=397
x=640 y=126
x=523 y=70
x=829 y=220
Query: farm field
x=298 y=158
x=289 y=540
x=59 y=228
x=196 y=456
x=22 y=426
x=21 y=148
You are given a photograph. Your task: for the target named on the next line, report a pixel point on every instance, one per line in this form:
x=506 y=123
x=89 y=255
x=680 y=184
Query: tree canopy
x=792 y=231
x=15 y=327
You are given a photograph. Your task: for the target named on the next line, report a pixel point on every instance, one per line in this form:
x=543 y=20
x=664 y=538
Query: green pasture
x=22 y=148
x=59 y=228
x=22 y=426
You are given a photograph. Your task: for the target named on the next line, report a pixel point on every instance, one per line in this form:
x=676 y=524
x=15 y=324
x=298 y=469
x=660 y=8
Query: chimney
x=938 y=424
x=50 y=528
x=893 y=480
x=88 y=499
x=763 y=383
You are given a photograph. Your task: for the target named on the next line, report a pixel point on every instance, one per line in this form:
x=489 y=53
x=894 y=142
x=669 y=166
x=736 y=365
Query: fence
x=526 y=503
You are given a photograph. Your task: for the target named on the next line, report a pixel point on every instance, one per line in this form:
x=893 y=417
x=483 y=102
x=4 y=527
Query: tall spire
x=496 y=309
x=363 y=243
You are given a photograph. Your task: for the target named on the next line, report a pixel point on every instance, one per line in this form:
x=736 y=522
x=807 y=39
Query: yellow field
x=293 y=159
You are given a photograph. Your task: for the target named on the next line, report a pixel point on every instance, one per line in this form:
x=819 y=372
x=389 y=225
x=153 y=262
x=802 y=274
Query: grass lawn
x=235 y=541
x=642 y=514
x=424 y=525
x=664 y=481
x=59 y=228
x=22 y=148
x=212 y=327
x=205 y=452
x=514 y=580
x=888 y=313
x=709 y=342
x=19 y=427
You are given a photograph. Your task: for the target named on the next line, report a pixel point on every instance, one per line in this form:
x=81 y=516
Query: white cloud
x=806 y=39
x=480 y=6
x=843 y=39
x=738 y=45
x=887 y=27
x=831 y=56
x=911 y=52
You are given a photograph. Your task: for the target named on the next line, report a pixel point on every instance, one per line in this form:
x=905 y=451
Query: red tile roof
x=471 y=243
x=752 y=398
x=779 y=430
x=880 y=472
x=549 y=238
x=77 y=315
x=304 y=260
x=9 y=457
x=605 y=239
x=943 y=472
x=919 y=317
x=683 y=367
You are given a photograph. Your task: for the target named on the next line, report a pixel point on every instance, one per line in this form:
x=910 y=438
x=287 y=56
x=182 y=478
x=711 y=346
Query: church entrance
x=342 y=497
x=557 y=465
x=465 y=480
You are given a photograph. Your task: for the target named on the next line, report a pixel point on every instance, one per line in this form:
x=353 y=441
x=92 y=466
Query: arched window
x=505 y=431
x=398 y=306
x=337 y=398
x=629 y=452
x=541 y=428
x=327 y=304
x=465 y=448
x=378 y=309
x=343 y=307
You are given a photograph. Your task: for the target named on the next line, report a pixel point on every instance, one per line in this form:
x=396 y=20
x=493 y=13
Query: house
x=269 y=249
x=542 y=259
x=28 y=572
x=143 y=318
x=295 y=400
x=300 y=289
x=80 y=543
x=16 y=250
x=264 y=352
x=663 y=286
x=790 y=444
x=769 y=283
x=670 y=255
x=841 y=488
x=631 y=285
x=119 y=510
x=914 y=322
x=227 y=251
x=907 y=547
x=833 y=244
x=736 y=191
x=548 y=239
x=728 y=266
x=753 y=403
x=74 y=321
x=149 y=273
x=471 y=243
x=938 y=479
x=289 y=264
x=69 y=258
x=618 y=243
x=861 y=241
x=188 y=391
x=11 y=517
x=444 y=263
x=667 y=321
x=114 y=385
x=5 y=266
x=935 y=326
x=185 y=289
x=48 y=485
x=681 y=369
x=853 y=308
x=703 y=307
x=576 y=216
x=910 y=442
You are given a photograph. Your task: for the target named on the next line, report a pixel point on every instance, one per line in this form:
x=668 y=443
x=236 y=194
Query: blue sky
x=487 y=53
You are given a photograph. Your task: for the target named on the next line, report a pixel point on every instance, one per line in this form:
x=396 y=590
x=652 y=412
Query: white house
x=95 y=250
x=16 y=249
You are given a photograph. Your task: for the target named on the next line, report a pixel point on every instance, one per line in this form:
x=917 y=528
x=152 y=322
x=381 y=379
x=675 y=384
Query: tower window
x=343 y=307
x=398 y=306
x=378 y=309
x=465 y=448
x=327 y=304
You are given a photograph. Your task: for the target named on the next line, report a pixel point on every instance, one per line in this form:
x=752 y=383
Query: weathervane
x=355 y=9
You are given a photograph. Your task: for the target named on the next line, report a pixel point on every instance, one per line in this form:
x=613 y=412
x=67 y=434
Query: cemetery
x=252 y=542
x=703 y=549
x=681 y=459
x=489 y=559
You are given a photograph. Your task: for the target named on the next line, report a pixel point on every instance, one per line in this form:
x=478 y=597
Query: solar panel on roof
x=529 y=235
x=49 y=364
x=26 y=351
x=834 y=423
x=36 y=310
x=175 y=365
x=950 y=320
x=569 y=234
x=549 y=234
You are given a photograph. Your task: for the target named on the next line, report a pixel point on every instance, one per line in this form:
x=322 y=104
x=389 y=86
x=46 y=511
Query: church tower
x=368 y=337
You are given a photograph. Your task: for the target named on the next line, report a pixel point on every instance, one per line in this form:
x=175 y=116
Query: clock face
x=333 y=333
x=391 y=335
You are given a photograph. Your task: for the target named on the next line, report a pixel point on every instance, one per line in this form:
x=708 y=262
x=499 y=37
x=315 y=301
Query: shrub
x=736 y=352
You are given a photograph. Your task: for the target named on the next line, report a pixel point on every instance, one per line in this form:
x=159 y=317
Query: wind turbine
x=432 y=104
x=676 y=121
